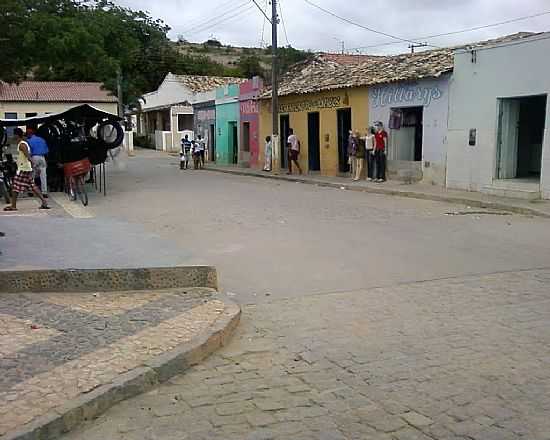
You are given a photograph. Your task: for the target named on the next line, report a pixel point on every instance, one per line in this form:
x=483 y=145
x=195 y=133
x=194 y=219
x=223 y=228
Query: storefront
x=250 y=121
x=322 y=122
x=415 y=114
x=499 y=118
x=205 y=125
x=228 y=117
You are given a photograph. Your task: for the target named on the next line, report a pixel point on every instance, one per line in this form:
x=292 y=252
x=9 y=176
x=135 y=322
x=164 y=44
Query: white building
x=166 y=115
x=499 y=117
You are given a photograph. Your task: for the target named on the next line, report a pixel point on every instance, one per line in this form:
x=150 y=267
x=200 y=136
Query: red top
x=380 y=139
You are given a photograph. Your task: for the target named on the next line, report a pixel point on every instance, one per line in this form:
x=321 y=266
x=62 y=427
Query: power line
x=263 y=28
x=227 y=19
x=347 y=20
x=215 y=18
x=461 y=31
x=261 y=10
x=283 y=21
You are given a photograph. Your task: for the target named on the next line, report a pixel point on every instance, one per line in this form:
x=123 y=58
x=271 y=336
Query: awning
x=84 y=111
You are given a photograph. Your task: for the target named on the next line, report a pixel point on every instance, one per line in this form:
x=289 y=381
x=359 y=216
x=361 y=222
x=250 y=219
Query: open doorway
x=344 y=126
x=521 y=137
x=314 y=142
x=212 y=137
x=246 y=136
x=285 y=133
x=406 y=134
x=233 y=143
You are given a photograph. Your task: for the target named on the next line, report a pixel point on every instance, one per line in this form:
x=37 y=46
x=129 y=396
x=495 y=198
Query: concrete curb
x=393 y=192
x=133 y=382
x=107 y=280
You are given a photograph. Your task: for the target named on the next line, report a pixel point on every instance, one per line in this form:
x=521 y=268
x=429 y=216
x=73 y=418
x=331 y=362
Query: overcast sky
x=239 y=23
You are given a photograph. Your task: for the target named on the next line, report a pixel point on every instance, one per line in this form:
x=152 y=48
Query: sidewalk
x=538 y=208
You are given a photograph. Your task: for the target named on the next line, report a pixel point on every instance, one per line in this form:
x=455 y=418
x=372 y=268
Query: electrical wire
x=223 y=8
x=262 y=42
x=216 y=18
x=261 y=10
x=347 y=20
x=226 y=19
x=461 y=31
x=283 y=21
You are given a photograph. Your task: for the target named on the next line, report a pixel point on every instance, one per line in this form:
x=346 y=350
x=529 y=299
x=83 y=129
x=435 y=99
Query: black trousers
x=370 y=164
x=380 y=159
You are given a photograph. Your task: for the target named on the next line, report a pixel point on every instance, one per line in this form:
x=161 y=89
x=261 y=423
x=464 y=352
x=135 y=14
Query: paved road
x=289 y=239
x=364 y=316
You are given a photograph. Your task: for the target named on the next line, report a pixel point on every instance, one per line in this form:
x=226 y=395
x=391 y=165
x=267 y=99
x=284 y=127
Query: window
x=30 y=115
x=185 y=122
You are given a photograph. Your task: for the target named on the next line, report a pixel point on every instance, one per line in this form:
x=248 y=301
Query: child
x=182 y=161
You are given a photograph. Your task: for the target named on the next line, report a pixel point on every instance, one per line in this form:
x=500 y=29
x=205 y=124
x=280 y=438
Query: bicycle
x=75 y=186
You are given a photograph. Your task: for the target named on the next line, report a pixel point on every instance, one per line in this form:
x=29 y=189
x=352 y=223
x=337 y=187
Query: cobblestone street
x=364 y=316
x=463 y=358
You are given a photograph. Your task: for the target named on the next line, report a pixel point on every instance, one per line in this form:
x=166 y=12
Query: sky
x=240 y=23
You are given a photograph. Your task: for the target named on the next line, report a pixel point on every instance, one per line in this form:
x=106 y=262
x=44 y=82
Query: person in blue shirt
x=39 y=150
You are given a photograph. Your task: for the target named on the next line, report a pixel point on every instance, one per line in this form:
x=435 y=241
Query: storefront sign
x=206 y=115
x=311 y=104
x=250 y=107
x=411 y=94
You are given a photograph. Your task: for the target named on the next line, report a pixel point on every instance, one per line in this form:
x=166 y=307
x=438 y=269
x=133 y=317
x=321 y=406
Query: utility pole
x=119 y=92
x=275 y=148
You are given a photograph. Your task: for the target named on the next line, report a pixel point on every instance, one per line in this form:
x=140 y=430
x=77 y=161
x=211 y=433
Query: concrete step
x=513 y=193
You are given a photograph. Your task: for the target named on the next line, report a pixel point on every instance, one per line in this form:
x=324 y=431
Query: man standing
x=293 y=151
x=202 y=149
x=23 y=180
x=39 y=150
x=186 y=150
x=380 y=145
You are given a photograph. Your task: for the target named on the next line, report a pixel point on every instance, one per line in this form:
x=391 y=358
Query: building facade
x=322 y=122
x=499 y=118
x=205 y=125
x=32 y=98
x=166 y=115
x=249 y=150
x=228 y=117
x=415 y=114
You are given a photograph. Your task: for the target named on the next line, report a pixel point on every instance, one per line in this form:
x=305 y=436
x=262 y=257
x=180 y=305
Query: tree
x=250 y=66
x=14 y=63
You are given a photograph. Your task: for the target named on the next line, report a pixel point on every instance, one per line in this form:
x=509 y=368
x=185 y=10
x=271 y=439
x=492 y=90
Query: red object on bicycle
x=78 y=168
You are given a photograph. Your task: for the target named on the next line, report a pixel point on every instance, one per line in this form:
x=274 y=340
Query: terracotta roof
x=332 y=71
x=52 y=91
x=199 y=84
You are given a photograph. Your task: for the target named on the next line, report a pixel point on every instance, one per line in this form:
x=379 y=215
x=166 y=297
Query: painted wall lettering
x=206 y=115
x=312 y=104
x=250 y=107
x=405 y=94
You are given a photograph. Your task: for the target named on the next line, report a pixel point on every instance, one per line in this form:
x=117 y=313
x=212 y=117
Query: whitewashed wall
x=509 y=70
x=433 y=96
x=169 y=92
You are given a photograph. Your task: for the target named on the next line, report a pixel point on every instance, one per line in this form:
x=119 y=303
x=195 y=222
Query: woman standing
x=380 y=145
x=359 y=156
x=268 y=153
x=24 y=180
x=369 y=145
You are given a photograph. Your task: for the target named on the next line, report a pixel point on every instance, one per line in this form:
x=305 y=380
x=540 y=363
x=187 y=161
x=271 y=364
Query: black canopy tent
x=78 y=113
x=81 y=114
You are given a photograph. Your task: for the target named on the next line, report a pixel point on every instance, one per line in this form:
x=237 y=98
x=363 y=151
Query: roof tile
x=54 y=91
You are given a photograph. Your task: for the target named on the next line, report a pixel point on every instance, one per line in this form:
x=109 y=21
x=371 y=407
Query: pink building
x=249 y=150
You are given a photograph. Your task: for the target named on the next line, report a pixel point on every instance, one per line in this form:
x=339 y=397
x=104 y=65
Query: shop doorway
x=285 y=133
x=212 y=138
x=406 y=134
x=521 y=137
x=314 y=142
x=246 y=136
x=233 y=143
x=344 y=126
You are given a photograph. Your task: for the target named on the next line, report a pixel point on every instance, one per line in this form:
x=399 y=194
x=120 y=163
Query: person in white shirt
x=268 y=153
x=369 y=145
x=293 y=144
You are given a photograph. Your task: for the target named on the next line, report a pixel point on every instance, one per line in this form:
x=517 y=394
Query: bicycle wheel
x=81 y=190
x=69 y=188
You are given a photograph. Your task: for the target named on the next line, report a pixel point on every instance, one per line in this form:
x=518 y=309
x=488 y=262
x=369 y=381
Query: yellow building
x=321 y=106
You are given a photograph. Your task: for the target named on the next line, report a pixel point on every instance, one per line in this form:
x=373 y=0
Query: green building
x=227 y=124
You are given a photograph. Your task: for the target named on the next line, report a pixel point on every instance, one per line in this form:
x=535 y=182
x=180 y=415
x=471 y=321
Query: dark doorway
x=344 y=126
x=212 y=137
x=406 y=125
x=314 y=142
x=246 y=136
x=234 y=143
x=285 y=133
x=521 y=137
